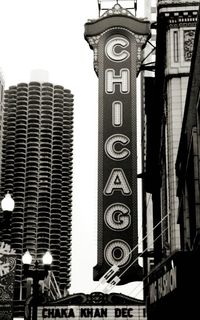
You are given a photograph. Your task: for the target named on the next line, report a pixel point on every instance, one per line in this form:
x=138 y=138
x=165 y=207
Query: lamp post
x=7 y=206
x=36 y=275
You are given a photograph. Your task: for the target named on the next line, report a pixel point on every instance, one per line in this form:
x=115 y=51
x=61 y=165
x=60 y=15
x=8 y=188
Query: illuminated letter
x=123 y=80
x=117 y=114
x=117 y=252
x=111 y=150
x=117 y=182
x=111 y=46
x=117 y=217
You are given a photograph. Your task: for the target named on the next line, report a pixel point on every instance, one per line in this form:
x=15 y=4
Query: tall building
x=176 y=25
x=37 y=171
x=180 y=19
x=1 y=114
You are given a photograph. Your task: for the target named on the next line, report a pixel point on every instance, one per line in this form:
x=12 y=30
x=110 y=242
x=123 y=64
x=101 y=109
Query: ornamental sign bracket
x=123 y=18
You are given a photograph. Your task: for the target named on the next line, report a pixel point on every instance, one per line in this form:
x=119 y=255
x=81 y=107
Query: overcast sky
x=49 y=35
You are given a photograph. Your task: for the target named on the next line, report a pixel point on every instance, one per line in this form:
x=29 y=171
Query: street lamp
x=7 y=206
x=36 y=275
x=47 y=259
x=27 y=258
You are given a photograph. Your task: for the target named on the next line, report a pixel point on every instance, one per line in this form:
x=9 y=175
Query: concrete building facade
x=37 y=171
x=176 y=25
x=169 y=283
x=181 y=23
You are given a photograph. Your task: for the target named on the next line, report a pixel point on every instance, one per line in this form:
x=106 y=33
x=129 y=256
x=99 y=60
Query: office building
x=176 y=25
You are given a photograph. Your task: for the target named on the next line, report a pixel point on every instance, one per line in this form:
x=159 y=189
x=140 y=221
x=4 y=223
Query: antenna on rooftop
x=104 y=5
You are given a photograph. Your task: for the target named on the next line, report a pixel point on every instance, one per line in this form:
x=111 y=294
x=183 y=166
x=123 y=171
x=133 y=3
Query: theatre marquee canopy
x=95 y=305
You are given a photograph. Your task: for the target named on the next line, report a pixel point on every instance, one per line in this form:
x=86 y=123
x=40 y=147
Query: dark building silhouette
x=187 y=164
x=172 y=116
x=37 y=171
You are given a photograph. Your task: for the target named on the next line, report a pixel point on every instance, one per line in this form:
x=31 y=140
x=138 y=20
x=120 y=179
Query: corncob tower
x=37 y=171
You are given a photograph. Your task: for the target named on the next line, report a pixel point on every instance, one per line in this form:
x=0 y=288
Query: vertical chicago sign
x=117 y=39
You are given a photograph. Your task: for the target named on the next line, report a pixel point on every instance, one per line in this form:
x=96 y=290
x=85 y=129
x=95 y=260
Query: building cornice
x=177 y=11
x=177 y=17
x=182 y=3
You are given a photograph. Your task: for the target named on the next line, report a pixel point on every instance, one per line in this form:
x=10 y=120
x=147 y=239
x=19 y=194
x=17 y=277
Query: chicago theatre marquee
x=117 y=39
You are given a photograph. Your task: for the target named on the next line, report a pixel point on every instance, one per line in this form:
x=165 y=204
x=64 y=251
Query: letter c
x=110 y=147
x=110 y=49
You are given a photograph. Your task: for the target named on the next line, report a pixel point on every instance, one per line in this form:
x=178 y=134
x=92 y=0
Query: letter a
x=117 y=182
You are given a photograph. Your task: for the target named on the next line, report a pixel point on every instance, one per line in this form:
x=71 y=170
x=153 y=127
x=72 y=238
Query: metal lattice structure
x=104 y=5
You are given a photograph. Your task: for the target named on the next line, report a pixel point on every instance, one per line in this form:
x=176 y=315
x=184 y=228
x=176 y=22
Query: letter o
x=117 y=252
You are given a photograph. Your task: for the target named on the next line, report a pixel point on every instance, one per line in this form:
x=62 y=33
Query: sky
x=49 y=35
